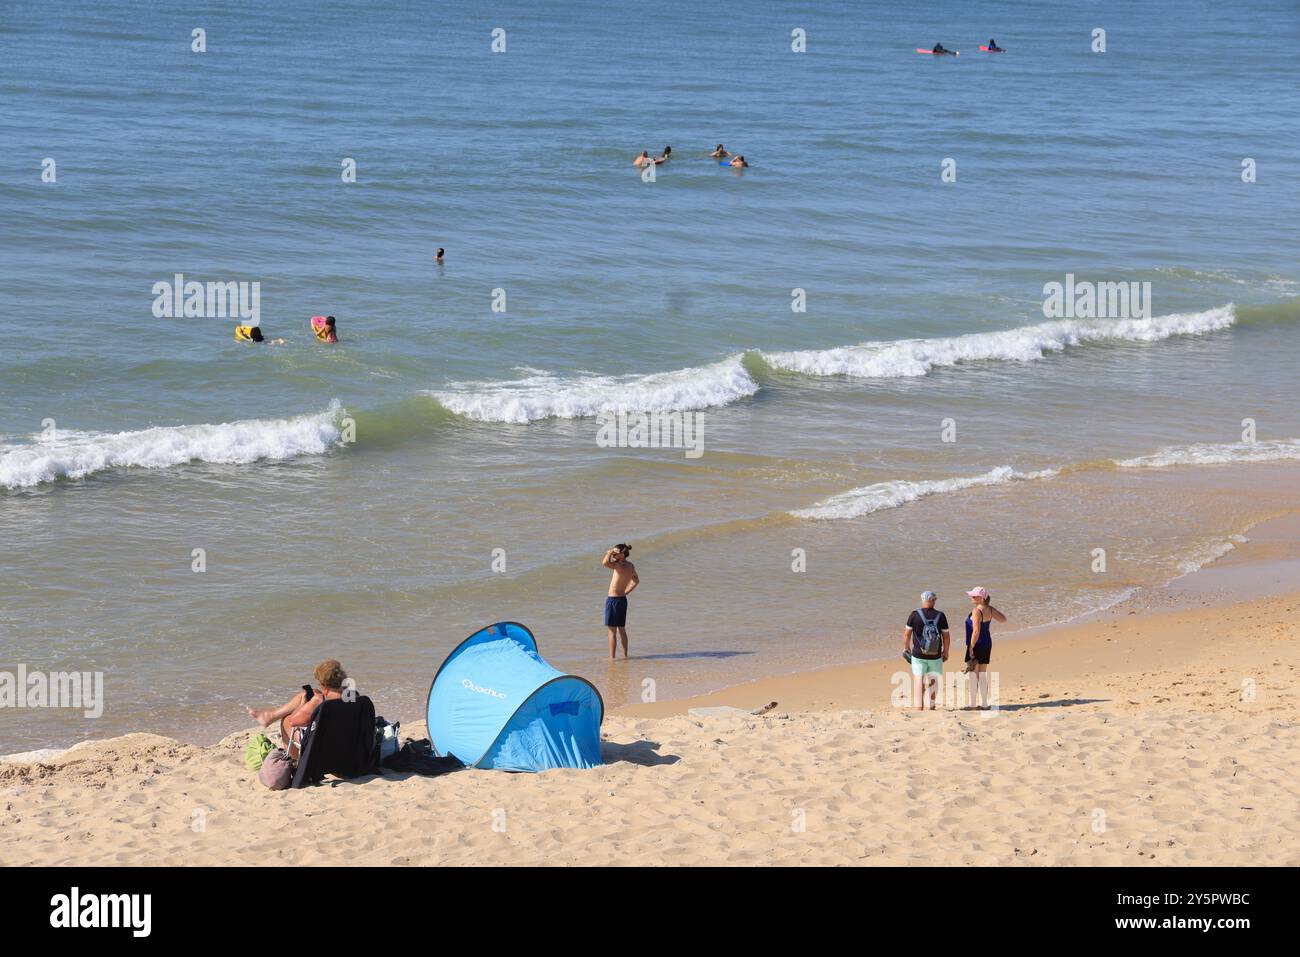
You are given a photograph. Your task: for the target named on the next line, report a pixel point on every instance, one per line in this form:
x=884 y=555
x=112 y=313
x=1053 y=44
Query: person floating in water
x=738 y=162
x=993 y=46
x=720 y=152
x=438 y=256
x=622 y=584
x=643 y=160
x=667 y=155
x=254 y=334
x=940 y=50
x=323 y=327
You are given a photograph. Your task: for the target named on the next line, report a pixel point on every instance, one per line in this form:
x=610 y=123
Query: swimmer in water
x=325 y=331
x=667 y=155
x=720 y=152
x=254 y=334
x=642 y=160
x=738 y=162
x=438 y=257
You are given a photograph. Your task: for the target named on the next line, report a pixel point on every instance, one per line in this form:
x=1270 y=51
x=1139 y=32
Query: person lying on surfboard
x=993 y=46
x=939 y=50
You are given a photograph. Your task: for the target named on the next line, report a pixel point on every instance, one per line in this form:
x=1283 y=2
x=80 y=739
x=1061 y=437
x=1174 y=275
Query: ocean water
x=350 y=500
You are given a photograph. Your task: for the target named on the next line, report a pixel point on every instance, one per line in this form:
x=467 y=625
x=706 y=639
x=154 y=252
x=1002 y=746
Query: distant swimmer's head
x=255 y=334
x=329 y=321
x=331 y=675
x=668 y=151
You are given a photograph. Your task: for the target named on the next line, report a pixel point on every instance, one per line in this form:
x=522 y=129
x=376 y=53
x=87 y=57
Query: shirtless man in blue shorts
x=622 y=584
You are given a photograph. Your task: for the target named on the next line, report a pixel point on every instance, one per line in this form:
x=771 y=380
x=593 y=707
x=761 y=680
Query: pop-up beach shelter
x=495 y=703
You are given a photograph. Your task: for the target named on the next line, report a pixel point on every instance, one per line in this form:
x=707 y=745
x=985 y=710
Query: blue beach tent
x=495 y=703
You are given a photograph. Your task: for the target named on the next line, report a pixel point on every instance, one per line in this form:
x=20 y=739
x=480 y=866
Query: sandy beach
x=1162 y=731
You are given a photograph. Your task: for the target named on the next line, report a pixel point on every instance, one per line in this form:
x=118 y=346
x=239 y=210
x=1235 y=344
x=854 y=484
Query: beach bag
x=259 y=746
x=930 y=641
x=277 y=770
x=417 y=757
x=386 y=738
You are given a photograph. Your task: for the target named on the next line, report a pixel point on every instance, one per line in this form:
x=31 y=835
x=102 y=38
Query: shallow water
x=475 y=429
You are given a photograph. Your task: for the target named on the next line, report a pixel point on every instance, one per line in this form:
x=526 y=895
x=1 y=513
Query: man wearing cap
x=925 y=644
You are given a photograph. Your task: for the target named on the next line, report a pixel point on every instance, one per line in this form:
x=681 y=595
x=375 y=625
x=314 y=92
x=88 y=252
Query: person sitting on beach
x=926 y=639
x=720 y=152
x=295 y=715
x=738 y=162
x=978 y=654
x=623 y=583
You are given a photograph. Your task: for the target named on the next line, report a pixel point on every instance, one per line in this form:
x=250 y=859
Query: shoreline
x=1151 y=734
x=1250 y=569
x=1253 y=570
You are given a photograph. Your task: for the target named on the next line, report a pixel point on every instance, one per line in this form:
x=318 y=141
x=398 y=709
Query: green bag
x=258 y=748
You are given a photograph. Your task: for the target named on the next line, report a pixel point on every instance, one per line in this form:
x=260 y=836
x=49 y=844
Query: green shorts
x=927 y=666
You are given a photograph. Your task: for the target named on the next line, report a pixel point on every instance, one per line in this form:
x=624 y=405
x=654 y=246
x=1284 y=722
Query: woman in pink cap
x=978 y=654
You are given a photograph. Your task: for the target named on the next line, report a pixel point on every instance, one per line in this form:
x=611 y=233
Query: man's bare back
x=624 y=578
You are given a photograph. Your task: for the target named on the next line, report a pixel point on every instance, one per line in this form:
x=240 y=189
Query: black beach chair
x=340 y=740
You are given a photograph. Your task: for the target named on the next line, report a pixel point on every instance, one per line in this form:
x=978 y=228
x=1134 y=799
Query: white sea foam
x=1214 y=454
x=547 y=396
x=916 y=357
x=882 y=495
x=73 y=454
x=1209 y=552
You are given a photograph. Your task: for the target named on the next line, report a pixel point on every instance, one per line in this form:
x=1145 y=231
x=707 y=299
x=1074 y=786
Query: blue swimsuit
x=983 y=646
